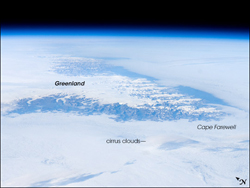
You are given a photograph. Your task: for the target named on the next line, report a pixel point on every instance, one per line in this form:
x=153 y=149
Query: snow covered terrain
x=154 y=89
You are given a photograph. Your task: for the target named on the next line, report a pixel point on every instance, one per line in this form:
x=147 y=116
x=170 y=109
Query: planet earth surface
x=151 y=108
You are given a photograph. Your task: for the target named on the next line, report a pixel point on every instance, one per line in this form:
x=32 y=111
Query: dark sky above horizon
x=140 y=30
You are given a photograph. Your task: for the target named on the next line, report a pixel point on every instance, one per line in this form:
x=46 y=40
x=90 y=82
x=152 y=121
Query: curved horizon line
x=123 y=31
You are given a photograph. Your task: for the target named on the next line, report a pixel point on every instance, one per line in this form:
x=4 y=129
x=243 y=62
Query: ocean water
x=156 y=85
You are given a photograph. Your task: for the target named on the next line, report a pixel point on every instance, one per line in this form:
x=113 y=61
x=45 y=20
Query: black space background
x=205 y=15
